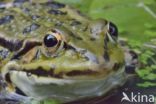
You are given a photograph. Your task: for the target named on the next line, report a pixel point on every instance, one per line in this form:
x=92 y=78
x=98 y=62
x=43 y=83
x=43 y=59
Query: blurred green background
x=136 y=19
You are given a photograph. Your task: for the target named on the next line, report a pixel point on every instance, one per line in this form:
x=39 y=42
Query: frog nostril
x=113 y=30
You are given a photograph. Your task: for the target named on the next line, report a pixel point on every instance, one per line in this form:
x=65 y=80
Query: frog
x=51 y=50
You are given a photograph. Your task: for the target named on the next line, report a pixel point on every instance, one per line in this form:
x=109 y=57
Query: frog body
x=53 y=51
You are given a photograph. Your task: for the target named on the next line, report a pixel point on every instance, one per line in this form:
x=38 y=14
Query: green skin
x=79 y=57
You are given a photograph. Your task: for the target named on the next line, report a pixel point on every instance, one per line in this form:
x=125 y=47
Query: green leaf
x=146 y=84
x=128 y=15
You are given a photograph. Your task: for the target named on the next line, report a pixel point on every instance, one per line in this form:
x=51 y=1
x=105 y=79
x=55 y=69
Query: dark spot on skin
x=67 y=46
x=106 y=56
x=29 y=45
x=116 y=66
x=6 y=19
x=7 y=78
x=75 y=22
x=30 y=28
x=56 y=12
x=59 y=44
x=37 y=55
x=54 y=5
x=34 y=27
x=34 y=17
x=18 y=91
x=106 y=39
x=105 y=43
x=11 y=45
x=79 y=72
x=92 y=39
x=77 y=37
x=54 y=31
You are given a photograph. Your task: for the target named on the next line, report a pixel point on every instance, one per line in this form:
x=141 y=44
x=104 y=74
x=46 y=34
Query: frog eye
x=113 y=30
x=50 y=40
x=52 y=43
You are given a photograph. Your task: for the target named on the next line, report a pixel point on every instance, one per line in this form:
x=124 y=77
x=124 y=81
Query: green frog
x=51 y=50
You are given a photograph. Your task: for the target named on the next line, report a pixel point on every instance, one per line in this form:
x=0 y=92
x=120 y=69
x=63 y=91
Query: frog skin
x=51 y=50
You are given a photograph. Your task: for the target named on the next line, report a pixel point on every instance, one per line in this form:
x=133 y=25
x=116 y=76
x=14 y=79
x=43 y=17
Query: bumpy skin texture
x=24 y=25
x=86 y=53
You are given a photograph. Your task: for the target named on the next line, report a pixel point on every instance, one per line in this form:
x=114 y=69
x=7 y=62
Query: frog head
x=67 y=65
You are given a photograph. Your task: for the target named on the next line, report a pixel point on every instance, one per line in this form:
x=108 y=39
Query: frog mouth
x=35 y=86
x=21 y=75
x=40 y=72
x=23 y=78
x=50 y=73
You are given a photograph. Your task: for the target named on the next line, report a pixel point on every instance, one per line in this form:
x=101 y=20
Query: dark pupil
x=113 y=30
x=50 y=40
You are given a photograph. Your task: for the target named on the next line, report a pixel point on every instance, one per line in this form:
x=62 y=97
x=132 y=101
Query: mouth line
x=40 y=72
